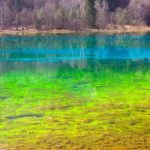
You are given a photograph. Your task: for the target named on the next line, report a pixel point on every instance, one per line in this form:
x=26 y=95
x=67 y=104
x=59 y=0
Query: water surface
x=75 y=92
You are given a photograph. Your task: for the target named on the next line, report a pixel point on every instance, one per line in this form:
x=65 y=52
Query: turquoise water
x=75 y=91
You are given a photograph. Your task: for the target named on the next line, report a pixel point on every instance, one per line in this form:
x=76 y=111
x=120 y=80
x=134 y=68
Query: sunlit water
x=75 y=92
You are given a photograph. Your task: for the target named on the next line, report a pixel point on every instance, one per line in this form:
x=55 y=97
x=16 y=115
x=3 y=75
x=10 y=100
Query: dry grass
x=118 y=29
x=123 y=29
x=33 y=31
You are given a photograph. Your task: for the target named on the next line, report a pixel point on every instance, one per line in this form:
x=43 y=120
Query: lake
x=75 y=91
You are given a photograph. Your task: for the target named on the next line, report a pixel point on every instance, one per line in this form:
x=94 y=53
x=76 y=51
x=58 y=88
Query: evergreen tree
x=90 y=12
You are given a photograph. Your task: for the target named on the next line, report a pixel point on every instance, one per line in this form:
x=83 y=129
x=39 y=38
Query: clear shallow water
x=75 y=92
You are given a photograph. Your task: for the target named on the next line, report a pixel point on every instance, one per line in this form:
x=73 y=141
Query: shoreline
x=126 y=29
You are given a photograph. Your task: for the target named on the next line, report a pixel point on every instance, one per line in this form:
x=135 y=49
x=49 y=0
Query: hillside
x=73 y=14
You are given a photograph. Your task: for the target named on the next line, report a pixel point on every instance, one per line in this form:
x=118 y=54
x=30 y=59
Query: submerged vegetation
x=103 y=105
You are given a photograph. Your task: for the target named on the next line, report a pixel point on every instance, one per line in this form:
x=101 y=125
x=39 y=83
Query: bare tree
x=102 y=17
x=73 y=14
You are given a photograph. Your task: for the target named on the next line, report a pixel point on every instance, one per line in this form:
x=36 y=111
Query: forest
x=73 y=14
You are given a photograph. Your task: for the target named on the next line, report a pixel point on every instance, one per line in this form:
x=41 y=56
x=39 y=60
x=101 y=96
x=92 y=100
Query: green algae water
x=75 y=92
